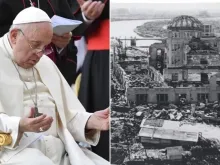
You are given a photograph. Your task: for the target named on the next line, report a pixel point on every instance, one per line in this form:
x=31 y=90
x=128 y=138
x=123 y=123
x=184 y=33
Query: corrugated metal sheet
x=162 y=133
x=154 y=123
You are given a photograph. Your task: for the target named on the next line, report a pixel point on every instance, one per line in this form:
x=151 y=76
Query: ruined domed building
x=192 y=51
x=184 y=64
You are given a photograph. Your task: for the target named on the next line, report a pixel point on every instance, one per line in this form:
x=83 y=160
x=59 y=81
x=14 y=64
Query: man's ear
x=13 y=35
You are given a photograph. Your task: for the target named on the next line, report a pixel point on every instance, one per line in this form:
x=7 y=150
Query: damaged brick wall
x=192 y=93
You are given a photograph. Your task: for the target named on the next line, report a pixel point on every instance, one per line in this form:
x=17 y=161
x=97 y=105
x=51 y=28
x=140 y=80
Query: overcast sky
x=211 y=7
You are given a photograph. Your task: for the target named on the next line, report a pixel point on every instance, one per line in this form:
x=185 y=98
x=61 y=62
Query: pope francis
x=38 y=109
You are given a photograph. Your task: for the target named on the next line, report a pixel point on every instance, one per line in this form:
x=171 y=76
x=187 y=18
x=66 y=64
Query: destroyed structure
x=165 y=97
x=184 y=65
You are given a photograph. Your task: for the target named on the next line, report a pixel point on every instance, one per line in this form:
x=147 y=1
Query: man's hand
x=61 y=41
x=91 y=9
x=30 y=124
x=99 y=120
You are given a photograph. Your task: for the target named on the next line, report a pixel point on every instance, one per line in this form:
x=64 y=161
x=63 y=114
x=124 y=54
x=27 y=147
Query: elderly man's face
x=28 y=44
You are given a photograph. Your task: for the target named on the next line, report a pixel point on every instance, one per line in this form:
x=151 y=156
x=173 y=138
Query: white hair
x=26 y=28
x=19 y=26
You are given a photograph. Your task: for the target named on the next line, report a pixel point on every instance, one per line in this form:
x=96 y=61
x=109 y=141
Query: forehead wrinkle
x=33 y=32
x=38 y=28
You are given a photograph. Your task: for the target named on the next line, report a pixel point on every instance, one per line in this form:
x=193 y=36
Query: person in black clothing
x=94 y=87
x=64 y=50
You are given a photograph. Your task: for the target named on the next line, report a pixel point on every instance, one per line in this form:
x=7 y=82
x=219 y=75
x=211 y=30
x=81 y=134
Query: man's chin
x=29 y=65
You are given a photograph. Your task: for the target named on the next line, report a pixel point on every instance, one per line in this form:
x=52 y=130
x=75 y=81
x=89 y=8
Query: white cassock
x=58 y=145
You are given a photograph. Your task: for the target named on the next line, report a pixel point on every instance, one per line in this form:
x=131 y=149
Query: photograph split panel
x=54 y=82
x=165 y=93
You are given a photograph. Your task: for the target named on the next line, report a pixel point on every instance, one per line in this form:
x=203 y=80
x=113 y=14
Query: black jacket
x=76 y=9
x=93 y=27
x=10 y=8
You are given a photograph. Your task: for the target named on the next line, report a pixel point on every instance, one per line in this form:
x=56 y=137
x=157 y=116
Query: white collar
x=8 y=45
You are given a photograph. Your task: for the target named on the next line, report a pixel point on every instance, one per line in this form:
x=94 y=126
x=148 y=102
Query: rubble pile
x=203 y=112
x=205 y=152
x=141 y=80
x=126 y=125
x=118 y=153
x=117 y=93
x=124 y=130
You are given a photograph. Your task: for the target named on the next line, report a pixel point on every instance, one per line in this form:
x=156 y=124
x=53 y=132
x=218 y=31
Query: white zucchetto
x=31 y=15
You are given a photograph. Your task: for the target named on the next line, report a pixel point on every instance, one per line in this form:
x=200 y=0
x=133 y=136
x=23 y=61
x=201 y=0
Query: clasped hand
x=91 y=9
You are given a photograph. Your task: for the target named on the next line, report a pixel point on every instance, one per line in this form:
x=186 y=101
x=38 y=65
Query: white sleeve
x=10 y=124
x=77 y=125
x=86 y=20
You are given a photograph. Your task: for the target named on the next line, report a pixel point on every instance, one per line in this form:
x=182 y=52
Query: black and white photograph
x=165 y=83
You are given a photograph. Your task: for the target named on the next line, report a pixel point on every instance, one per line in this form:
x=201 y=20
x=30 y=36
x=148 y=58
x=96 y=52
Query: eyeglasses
x=38 y=51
